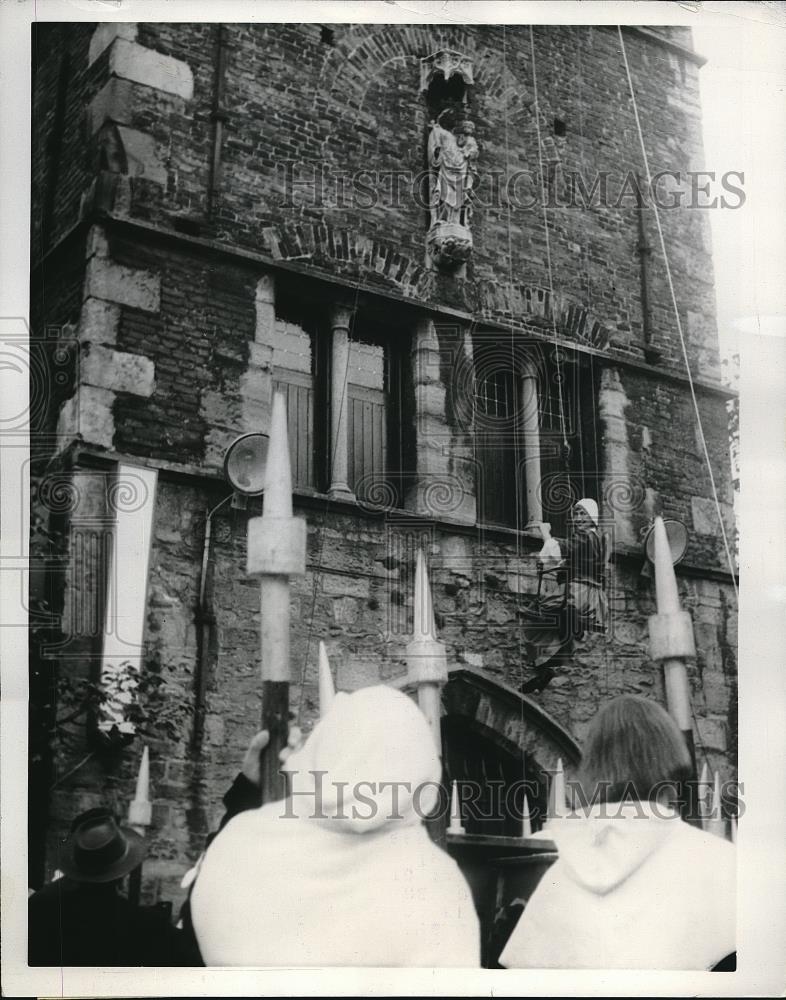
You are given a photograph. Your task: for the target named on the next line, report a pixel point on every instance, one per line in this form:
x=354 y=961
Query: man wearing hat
x=549 y=632
x=81 y=919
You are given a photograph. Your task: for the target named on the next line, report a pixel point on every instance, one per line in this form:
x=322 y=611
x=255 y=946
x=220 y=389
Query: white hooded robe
x=634 y=887
x=343 y=873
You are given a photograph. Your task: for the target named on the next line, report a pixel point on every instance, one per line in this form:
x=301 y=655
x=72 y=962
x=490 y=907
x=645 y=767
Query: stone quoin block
x=713 y=733
x=256 y=385
x=255 y=412
x=142 y=154
x=705 y=516
x=88 y=415
x=106 y=33
x=115 y=102
x=264 y=300
x=97 y=244
x=124 y=285
x=260 y=355
x=98 y=321
x=130 y=61
x=118 y=371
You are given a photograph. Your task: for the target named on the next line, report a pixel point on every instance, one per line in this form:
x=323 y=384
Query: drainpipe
x=218 y=116
x=651 y=353
x=205 y=621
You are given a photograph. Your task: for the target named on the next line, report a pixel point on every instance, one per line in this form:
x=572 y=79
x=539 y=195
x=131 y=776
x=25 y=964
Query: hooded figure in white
x=634 y=886
x=343 y=872
x=639 y=889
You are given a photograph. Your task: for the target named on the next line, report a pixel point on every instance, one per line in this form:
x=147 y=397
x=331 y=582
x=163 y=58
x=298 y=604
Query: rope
x=516 y=451
x=677 y=316
x=544 y=195
x=697 y=745
x=593 y=399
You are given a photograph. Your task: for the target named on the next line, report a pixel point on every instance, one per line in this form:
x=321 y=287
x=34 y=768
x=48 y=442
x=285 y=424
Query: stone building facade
x=221 y=210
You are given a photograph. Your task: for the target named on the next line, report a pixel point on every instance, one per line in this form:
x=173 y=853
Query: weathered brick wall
x=186 y=323
x=347 y=107
x=176 y=356
x=357 y=597
x=63 y=161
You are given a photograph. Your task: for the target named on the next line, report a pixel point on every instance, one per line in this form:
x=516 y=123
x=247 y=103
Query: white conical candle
x=456 y=825
x=425 y=626
x=716 y=823
x=526 y=823
x=557 y=806
x=704 y=794
x=278 y=471
x=143 y=778
x=327 y=690
x=671 y=633
x=426 y=656
x=666 y=592
x=140 y=811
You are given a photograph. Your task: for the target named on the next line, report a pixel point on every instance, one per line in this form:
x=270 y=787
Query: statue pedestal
x=449 y=244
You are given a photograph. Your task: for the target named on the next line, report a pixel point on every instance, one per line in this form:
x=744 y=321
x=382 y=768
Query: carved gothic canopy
x=447 y=62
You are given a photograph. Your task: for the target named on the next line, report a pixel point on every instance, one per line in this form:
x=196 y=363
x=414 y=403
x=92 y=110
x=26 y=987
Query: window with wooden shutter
x=569 y=461
x=374 y=425
x=496 y=447
x=566 y=449
x=293 y=375
x=367 y=398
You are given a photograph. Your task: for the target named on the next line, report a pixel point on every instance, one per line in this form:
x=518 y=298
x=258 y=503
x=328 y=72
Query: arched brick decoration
x=367 y=48
x=508 y=719
x=354 y=252
x=572 y=320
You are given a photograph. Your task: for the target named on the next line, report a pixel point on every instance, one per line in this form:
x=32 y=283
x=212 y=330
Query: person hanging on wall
x=551 y=624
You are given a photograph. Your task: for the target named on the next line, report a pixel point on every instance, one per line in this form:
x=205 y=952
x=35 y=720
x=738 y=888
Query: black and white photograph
x=392 y=435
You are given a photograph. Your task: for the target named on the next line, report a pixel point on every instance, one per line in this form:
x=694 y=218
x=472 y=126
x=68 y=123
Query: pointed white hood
x=600 y=850
x=634 y=887
x=343 y=873
x=370 y=761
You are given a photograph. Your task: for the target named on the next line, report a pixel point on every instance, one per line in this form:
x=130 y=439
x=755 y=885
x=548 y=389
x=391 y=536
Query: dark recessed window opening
x=447 y=94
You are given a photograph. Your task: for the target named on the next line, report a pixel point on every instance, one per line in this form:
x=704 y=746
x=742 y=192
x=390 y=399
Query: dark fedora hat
x=98 y=850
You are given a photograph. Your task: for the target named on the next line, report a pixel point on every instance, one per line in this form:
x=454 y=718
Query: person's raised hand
x=251 y=766
x=251 y=763
x=294 y=743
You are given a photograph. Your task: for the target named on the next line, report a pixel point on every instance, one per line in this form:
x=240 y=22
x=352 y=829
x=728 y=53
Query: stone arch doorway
x=497 y=744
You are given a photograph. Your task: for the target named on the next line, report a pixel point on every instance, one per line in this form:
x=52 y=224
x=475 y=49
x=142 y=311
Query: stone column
x=265 y=307
x=612 y=408
x=339 y=404
x=531 y=436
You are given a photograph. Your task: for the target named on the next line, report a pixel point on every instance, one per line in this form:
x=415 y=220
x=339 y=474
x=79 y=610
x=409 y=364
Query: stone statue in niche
x=452 y=157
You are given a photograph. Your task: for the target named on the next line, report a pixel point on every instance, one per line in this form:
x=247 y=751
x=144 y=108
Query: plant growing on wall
x=123 y=704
